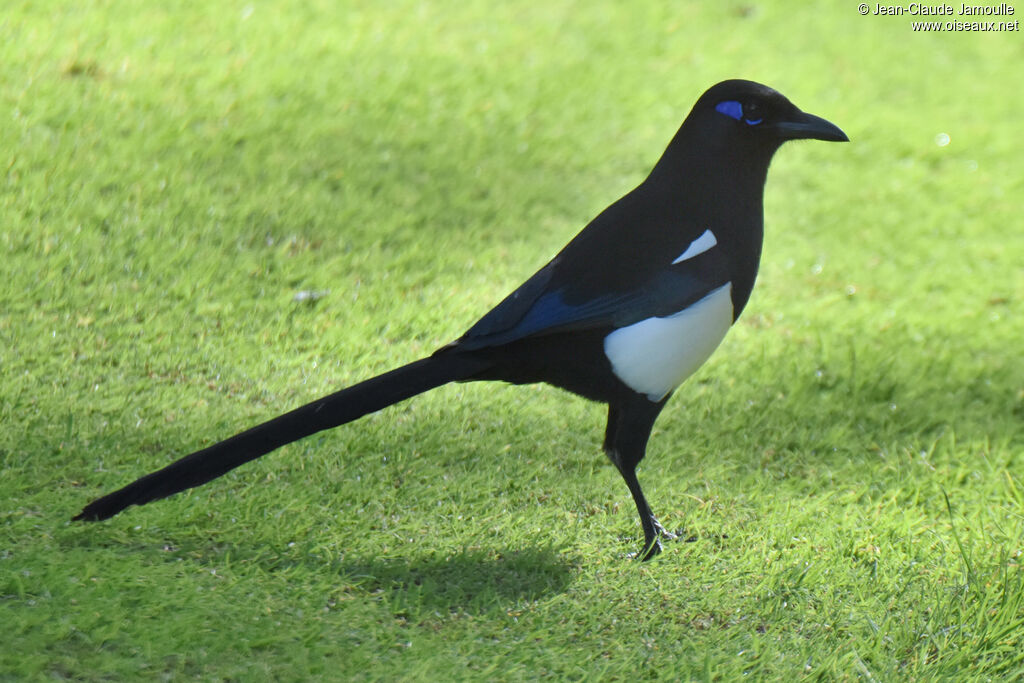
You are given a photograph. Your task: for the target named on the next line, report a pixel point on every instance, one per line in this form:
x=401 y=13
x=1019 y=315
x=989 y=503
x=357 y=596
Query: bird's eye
x=749 y=113
x=752 y=114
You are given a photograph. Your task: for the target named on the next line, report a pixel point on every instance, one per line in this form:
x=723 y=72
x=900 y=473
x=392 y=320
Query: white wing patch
x=656 y=355
x=698 y=246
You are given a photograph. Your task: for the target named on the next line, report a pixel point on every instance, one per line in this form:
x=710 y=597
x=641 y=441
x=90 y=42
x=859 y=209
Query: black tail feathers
x=330 y=411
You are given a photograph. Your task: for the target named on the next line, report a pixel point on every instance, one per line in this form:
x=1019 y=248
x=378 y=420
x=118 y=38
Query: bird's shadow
x=467 y=581
x=470 y=581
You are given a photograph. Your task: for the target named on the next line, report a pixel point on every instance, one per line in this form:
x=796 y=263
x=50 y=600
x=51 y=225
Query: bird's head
x=750 y=113
x=730 y=136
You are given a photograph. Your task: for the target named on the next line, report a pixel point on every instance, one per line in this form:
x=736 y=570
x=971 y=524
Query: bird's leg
x=653 y=531
x=625 y=442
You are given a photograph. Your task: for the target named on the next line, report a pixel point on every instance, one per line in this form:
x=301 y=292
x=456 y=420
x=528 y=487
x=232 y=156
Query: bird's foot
x=653 y=544
x=648 y=552
x=679 y=534
x=662 y=532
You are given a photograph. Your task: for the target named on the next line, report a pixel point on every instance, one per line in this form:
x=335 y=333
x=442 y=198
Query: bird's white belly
x=654 y=356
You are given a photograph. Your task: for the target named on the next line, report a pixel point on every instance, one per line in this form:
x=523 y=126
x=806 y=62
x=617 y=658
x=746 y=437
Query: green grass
x=174 y=174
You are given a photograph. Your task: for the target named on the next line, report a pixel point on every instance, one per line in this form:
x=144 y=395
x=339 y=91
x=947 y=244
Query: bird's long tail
x=330 y=411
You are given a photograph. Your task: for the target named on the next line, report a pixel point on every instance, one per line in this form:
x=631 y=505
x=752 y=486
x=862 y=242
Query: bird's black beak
x=804 y=126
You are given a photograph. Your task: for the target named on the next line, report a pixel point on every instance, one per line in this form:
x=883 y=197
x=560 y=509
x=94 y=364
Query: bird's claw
x=653 y=546
x=662 y=532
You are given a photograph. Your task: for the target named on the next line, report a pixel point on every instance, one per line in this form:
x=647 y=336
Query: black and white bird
x=629 y=309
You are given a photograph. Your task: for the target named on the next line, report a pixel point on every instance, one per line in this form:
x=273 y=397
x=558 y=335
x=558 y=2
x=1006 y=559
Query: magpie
x=622 y=315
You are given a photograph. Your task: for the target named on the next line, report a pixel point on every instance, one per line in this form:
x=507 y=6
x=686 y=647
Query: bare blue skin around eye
x=730 y=108
x=734 y=109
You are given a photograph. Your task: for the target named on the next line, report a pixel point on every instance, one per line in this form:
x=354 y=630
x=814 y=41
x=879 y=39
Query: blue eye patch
x=730 y=108
x=734 y=109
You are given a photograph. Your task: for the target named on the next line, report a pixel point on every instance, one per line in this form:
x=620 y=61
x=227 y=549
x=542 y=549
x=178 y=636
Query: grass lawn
x=210 y=213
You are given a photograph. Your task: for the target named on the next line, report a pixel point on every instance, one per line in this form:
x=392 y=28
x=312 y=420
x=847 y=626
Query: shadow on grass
x=469 y=581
